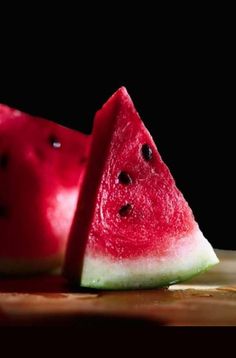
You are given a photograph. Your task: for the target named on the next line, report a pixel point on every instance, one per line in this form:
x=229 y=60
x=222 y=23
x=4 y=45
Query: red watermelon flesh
x=41 y=164
x=133 y=228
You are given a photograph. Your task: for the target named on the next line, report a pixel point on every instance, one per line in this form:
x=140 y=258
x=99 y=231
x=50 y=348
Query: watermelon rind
x=191 y=256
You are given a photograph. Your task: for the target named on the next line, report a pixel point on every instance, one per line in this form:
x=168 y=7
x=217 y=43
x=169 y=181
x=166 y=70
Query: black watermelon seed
x=3 y=211
x=146 y=152
x=4 y=159
x=53 y=140
x=125 y=210
x=124 y=178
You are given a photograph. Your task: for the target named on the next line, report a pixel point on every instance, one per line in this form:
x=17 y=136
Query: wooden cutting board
x=209 y=299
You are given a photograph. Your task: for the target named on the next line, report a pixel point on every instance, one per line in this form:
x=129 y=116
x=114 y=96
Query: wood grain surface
x=207 y=300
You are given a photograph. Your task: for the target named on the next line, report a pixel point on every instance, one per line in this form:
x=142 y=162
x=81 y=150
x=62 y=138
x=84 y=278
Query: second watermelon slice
x=133 y=228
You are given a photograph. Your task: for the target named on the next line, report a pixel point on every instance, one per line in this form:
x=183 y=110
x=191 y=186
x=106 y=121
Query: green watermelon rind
x=101 y=273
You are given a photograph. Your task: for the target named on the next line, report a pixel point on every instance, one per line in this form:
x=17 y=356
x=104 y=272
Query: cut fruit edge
x=25 y=266
x=192 y=254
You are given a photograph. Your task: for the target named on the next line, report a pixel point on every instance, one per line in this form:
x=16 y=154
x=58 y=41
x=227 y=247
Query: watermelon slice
x=41 y=164
x=133 y=228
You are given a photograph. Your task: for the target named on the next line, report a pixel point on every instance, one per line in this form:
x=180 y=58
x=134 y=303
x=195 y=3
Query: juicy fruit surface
x=40 y=167
x=141 y=215
x=136 y=229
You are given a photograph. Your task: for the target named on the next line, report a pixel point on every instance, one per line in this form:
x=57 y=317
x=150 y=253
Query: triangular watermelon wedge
x=133 y=228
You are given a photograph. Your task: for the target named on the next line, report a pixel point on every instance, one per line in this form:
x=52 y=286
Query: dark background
x=179 y=73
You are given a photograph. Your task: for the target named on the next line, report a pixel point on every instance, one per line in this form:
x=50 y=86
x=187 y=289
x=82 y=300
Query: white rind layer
x=189 y=256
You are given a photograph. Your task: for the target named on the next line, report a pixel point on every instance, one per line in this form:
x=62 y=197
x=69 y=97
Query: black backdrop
x=180 y=80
